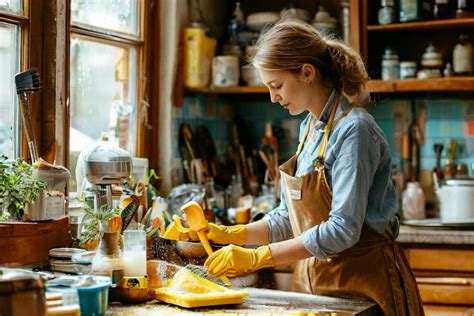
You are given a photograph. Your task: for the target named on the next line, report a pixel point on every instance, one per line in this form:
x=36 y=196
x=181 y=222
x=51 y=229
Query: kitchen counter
x=259 y=302
x=438 y=235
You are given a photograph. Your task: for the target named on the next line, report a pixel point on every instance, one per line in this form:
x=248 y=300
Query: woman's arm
x=257 y=233
x=288 y=251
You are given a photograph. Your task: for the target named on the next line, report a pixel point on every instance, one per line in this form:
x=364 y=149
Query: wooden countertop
x=259 y=302
x=427 y=235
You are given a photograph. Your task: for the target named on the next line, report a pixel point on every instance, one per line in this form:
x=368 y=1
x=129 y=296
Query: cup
x=225 y=71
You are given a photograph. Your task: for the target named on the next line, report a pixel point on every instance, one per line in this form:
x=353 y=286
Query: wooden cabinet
x=445 y=277
x=410 y=40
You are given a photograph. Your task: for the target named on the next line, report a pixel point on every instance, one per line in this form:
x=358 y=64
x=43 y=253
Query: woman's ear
x=309 y=73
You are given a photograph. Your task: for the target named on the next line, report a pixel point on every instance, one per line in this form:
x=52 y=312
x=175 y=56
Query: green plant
x=93 y=220
x=17 y=187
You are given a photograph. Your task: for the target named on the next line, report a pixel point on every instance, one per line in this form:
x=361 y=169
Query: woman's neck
x=321 y=96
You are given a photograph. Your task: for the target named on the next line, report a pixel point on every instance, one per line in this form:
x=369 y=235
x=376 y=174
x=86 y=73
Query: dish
x=436 y=223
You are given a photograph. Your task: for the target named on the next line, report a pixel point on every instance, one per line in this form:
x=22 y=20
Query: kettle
x=456 y=197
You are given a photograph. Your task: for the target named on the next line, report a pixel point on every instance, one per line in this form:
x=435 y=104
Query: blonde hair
x=288 y=45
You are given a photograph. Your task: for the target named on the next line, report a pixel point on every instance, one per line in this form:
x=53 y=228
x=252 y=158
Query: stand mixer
x=104 y=165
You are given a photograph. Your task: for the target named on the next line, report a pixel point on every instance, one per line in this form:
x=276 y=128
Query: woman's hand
x=234 y=260
x=224 y=235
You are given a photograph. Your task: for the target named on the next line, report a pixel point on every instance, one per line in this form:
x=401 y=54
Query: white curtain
x=173 y=17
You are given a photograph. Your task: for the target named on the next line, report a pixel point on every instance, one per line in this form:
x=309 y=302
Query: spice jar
x=462 y=56
x=407 y=69
x=387 y=12
x=432 y=62
x=413 y=10
x=390 y=65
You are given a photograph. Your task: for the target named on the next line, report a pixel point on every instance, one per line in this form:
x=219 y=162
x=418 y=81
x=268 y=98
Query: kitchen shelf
x=230 y=90
x=422 y=85
x=421 y=25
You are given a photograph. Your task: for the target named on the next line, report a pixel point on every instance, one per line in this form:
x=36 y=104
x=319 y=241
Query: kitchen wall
x=445 y=119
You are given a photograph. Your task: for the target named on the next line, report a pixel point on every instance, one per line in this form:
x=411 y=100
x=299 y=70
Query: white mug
x=225 y=71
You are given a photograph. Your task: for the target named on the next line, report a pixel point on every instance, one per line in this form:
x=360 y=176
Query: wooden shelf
x=432 y=25
x=422 y=85
x=230 y=90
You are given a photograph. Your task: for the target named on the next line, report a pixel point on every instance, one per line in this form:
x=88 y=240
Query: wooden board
x=28 y=243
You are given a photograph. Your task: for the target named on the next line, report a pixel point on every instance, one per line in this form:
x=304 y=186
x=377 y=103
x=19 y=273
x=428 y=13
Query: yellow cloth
x=221 y=234
x=235 y=260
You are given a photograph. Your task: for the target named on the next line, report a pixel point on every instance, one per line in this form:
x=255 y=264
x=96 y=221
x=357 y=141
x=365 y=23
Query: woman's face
x=289 y=89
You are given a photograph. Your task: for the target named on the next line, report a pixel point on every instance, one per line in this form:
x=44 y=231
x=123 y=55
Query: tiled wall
x=445 y=119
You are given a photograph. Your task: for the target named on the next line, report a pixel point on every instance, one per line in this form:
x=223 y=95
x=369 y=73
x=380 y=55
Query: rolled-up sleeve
x=354 y=161
x=278 y=222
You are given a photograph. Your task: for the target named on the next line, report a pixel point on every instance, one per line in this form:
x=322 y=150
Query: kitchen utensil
x=192 y=287
x=93 y=291
x=450 y=167
x=27 y=82
x=438 y=148
x=197 y=223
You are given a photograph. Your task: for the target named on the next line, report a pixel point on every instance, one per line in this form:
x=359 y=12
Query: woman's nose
x=274 y=97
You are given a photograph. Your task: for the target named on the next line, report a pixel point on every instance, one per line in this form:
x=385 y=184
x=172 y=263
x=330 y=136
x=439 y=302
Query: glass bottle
x=441 y=9
x=413 y=10
x=465 y=9
x=413 y=201
x=108 y=259
x=462 y=56
x=387 y=12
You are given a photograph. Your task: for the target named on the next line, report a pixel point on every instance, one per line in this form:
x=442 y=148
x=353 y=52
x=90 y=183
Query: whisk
x=27 y=82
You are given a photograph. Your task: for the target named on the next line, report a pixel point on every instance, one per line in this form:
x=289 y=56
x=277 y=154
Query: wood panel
x=441 y=259
x=433 y=25
x=443 y=310
x=447 y=294
x=422 y=85
x=28 y=243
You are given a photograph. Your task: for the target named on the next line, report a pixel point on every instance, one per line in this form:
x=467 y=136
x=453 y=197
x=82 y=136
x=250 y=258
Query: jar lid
x=385 y=3
x=390 y=53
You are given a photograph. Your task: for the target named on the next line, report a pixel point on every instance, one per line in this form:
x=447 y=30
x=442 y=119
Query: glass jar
x=387 y=12
x=390 y=65
x=407 y=69
x=414 y=10
x=413 y=201
x=462 y=56
x=465 y=9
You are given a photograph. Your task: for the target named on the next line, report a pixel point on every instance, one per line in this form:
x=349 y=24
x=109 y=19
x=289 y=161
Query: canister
x=407 y=69
x=225 y=71
x=390 y=65
x=199 y=51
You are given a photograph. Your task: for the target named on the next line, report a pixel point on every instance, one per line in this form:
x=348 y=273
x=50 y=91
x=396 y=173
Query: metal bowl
x=192 y=249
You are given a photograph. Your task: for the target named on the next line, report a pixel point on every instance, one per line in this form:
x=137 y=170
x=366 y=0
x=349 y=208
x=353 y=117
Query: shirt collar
x=320 y=124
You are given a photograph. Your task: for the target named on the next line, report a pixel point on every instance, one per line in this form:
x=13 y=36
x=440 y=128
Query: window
x=106 y=45
x=11 y=24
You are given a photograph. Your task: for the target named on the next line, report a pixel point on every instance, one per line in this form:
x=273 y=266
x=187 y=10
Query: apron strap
x=305 y=135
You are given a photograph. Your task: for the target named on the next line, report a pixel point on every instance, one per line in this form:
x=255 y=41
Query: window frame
x=119 y=39
x=30 y=40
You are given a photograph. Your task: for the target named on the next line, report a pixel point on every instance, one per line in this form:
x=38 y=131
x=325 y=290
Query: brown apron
x=375 y=268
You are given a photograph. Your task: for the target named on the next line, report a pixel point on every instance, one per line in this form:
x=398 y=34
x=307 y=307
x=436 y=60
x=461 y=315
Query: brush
x=27 y=82
x=197 y=223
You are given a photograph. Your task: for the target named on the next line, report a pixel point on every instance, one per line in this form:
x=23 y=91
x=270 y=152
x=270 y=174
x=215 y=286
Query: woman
x=337 y=215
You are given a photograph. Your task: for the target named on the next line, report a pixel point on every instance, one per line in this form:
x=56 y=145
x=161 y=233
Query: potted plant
x=18 y=187
x=95 y=221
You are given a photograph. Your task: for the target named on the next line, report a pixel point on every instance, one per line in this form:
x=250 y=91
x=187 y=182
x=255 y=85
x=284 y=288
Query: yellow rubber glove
x=234 y=260
x=224 y=235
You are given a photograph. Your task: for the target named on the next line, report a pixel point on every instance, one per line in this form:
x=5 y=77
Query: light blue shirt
x=358 y=169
